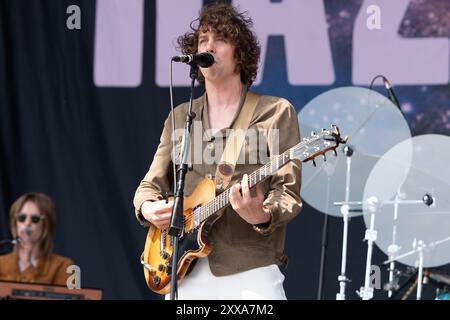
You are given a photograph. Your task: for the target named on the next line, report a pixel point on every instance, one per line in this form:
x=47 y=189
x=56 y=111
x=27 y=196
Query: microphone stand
x=324 y=246
x=7 y=242
x=387 y=86
x=177 y=220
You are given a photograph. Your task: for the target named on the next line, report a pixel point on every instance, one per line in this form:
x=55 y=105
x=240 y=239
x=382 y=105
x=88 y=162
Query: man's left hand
x=250 y=208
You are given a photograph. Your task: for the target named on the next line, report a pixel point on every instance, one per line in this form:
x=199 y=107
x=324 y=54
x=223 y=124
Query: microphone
x=28 y=231
x=203 y=59
x=391 y=93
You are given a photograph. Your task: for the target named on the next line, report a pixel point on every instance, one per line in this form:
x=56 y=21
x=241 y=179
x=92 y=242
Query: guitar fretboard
x=304 y=151
x=222 y=200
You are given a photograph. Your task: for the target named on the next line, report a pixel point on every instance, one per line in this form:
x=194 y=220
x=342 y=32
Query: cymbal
x=374 y=125
x=408 y=173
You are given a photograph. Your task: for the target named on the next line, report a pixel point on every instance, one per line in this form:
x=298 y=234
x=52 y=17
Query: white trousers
x=265 y=283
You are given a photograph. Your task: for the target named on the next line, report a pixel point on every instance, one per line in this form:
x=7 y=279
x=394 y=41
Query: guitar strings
x=253 y=176
x=284 y=156
x=262 y=172
x=213 y=205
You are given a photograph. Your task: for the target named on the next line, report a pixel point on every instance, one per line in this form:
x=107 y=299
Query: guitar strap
x=227 y=164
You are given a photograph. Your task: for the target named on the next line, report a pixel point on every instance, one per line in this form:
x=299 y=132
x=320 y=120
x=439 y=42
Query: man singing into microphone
x=248 y=239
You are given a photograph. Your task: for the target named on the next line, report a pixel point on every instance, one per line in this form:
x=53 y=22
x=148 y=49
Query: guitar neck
x=306 y=150
x=223 y=199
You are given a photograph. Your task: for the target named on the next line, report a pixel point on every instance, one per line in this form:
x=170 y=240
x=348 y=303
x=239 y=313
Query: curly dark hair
x=234 y=26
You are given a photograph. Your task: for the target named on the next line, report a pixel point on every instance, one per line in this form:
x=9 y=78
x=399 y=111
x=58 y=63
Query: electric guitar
x=202 y=208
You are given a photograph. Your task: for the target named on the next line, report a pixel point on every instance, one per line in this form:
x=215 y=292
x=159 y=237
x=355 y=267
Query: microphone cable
x=172 y=111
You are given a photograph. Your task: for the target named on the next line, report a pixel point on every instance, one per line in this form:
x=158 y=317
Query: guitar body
x=192 y=244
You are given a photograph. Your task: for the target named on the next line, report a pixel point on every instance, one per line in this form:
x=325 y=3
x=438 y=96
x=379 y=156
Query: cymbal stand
x=366 y=292
x=419 y=247
x=393 y=248
x=345 y=210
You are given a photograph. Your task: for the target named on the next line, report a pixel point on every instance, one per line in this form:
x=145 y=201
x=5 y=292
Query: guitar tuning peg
x=323 y=129
x=335 y=152
x=314 y=163
x=335 y=128
x=324 y=156
x=313 y=133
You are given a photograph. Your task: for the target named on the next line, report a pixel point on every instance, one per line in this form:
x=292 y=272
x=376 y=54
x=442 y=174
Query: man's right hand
x=157 y=212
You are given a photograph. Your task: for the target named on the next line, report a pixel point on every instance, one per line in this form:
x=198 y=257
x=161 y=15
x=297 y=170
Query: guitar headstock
x=318 y=144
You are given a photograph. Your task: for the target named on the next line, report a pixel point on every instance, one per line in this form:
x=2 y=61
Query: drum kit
x=399 y=184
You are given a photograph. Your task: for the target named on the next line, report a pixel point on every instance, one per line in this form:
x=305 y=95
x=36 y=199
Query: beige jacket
x=237 y=245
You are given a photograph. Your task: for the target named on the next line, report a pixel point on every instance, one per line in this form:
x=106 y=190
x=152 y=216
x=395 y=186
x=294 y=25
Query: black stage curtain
x=89 y=147
x=86 y=147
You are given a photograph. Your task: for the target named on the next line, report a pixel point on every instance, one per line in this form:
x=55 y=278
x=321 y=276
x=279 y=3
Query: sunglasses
x=35 y=218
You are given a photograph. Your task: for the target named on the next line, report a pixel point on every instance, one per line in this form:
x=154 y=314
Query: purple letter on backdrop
x=173 y=18
x=119 y=36
x=305 y=31
x=402 y=61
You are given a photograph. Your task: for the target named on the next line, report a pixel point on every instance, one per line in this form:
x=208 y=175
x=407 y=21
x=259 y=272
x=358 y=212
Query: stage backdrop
x=84 y=94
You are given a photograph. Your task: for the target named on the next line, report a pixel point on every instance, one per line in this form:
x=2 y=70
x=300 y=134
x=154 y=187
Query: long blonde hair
x=46 y=208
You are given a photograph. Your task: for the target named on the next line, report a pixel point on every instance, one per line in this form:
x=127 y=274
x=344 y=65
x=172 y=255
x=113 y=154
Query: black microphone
x=391 y=93
x=203 y=59
x=9 y=241
x=28 y=231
